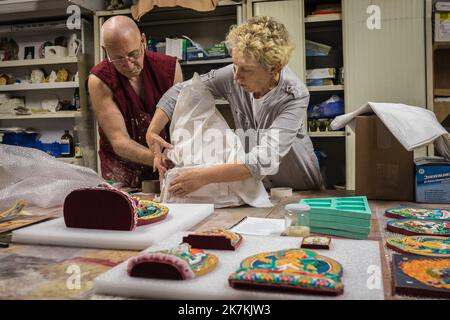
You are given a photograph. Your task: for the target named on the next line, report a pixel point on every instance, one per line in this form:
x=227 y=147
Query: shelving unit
x=34 y=34
x=327 y=29
x=439 y=73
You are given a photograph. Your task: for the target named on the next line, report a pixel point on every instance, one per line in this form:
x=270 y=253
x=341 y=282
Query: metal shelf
x=48 y=115
x=327 y=134
x=37 y=62
x=209 y=61
x=441 y=46
x=326 y=88
x=324 y=18
x=39 y=86
x=442 y=92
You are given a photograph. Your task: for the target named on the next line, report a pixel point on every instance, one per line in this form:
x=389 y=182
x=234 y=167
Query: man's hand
x=156 y=143
x=188 y=182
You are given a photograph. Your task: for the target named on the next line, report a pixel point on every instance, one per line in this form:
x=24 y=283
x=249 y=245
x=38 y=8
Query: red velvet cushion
x=100 y=208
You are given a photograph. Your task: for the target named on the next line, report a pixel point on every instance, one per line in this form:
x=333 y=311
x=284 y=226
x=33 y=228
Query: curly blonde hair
x=264 y=39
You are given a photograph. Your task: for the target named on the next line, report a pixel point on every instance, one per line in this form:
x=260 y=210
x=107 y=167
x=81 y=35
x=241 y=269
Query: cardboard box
x=384 y=169
x=432 y=180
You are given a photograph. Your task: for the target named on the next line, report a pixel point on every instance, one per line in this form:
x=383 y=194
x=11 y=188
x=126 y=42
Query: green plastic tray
x=340 y=233
x=341 y=227
x=351 y=207
x=340 y=220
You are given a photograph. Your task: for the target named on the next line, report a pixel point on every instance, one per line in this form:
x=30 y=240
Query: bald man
x=124 y=90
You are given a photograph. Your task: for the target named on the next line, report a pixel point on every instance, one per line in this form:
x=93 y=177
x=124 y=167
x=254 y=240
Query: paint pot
x=280 y=193
x=297 y=221
x=150 y=186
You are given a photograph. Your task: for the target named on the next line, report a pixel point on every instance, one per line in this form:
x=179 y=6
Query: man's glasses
x=132 y=56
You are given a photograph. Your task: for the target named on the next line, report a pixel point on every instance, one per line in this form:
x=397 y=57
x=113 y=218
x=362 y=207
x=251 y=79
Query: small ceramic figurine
x=73 y=45
x=52 y=77
x=4 y=79
x=37 y=76
x=62 y=75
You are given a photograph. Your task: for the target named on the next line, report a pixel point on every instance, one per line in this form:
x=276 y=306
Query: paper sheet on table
x=414 y=127
x=260 y=227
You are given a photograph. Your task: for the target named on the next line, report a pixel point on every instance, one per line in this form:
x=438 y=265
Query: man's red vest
x=158 y=76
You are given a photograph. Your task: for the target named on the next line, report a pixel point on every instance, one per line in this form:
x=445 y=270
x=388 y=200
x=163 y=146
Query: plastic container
x=330 y=108
x=297 y=221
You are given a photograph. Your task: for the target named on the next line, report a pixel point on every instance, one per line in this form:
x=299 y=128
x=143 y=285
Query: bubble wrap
x=38 y=178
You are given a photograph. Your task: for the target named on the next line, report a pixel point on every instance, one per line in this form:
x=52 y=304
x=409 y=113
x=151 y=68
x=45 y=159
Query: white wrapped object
x=414 y=127
x=202 y=138
x=38 y=178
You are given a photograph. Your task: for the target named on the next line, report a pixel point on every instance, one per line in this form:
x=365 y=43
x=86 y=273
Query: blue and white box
x=432 y=180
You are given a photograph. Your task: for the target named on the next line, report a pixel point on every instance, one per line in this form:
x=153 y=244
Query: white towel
x=414 y=127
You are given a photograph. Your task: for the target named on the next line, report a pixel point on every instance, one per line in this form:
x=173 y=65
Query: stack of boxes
x=344 y=217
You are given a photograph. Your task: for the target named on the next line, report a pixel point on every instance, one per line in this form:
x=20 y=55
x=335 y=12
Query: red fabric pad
x=99 y=208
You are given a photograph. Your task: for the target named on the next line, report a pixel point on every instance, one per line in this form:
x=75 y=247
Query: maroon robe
x=158 y=76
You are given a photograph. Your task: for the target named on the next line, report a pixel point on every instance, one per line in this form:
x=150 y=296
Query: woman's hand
x=156 y=143
x=188 y=182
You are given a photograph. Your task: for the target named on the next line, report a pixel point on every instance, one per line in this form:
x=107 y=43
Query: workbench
x=47 y=272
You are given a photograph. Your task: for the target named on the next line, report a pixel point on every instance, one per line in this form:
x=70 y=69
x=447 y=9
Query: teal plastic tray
x=341 y=227
x=351 y=207
x=340 y=220
x=340 y=233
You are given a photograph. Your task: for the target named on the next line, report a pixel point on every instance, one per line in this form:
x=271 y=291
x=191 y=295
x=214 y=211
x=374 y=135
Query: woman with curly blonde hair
x=265 y=95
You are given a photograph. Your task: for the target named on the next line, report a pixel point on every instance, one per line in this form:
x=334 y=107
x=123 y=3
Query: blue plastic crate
x=22 y=139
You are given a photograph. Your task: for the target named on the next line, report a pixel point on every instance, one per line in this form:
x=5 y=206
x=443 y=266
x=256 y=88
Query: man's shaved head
x=121 y=37
x=117 y=30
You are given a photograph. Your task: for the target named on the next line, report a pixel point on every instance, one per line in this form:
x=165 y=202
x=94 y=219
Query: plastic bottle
x=297 y=222
x=67 y=146
x=77 y=144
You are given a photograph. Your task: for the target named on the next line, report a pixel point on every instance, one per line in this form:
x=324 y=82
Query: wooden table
x=51 y=272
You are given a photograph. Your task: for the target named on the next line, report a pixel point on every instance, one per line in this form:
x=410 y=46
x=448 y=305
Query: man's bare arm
x=113 y=125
